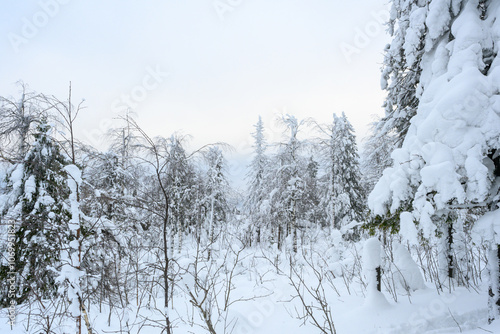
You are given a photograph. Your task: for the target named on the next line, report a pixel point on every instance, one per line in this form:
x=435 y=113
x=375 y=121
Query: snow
x=376 y=303
x=442 y=159
x=438 y=18
x=270 y=307
x=16 y=175
x=29 y=187
x=407 y=228
x=372 y=254
x=442 y=164
x=346 y=228
x=372 y=259
x=408 y=273
x=74 y=180
x=74 y=172
x=414 y=33
x=488 y=227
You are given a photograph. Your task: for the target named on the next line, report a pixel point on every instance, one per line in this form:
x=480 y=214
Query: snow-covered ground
x=262 y=298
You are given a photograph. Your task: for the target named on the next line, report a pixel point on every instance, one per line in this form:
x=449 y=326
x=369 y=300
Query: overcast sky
x=206 y=68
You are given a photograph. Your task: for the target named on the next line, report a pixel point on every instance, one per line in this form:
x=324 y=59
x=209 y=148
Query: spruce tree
x=375 y=156
x=39 y=207
x=310 y=207
x=448 y=157
x=287 y=184
x=216 y=192
x=256 y=182
x=416 y=28
x=180 y=186
x=344 y=197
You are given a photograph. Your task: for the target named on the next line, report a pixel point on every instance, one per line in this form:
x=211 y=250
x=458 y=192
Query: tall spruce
x=39 y=207
x=256 y=182
x=216 y=193
x=414 y=34
x=448 y=158
x=287 y=184
x=344 y=197
x=180 y=186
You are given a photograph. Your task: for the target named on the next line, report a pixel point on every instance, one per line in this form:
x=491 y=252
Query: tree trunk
x=165 y=271
x=294 y=238
x=165 y=253
x=280 y=228
x=211 y=229
x=378 y=272
x=494 y=289
x=172 y=240
x=294 y=227
x=451 y=262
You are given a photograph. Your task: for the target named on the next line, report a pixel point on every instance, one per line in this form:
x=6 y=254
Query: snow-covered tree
x=70 y=273
x=310 y=208
x=256 y=182
x=109 y=204
x=375 y=157
x=180 y=176
x=286 y=183
x=38 y=203
x=416 y=27
x=344 y=197
x=216 y=189
x=449 y=157
x=19 y=118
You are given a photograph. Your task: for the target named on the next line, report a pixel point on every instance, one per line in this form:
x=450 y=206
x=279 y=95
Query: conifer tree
x=256 y=182
x=416 y=28
x=310 y=207
x=39 y=206
x=448 y=157
x=216 y=192
x=287 y=184
x=375 y=156
x=344 y=197
x=180 y=186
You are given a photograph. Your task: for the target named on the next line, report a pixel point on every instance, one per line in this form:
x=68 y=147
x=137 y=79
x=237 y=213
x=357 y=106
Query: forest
x=148 y=235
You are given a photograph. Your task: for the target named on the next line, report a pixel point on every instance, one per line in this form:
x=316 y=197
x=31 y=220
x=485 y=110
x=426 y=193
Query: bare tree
x=209 y=281
x=67 y=113
x=18 y=119
x=318 y=312
x=157 y=159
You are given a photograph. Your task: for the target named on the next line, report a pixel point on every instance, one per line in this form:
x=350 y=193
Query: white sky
x=257 y=57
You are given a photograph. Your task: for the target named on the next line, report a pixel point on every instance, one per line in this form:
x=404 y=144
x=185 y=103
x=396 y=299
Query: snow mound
x=408 y=273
